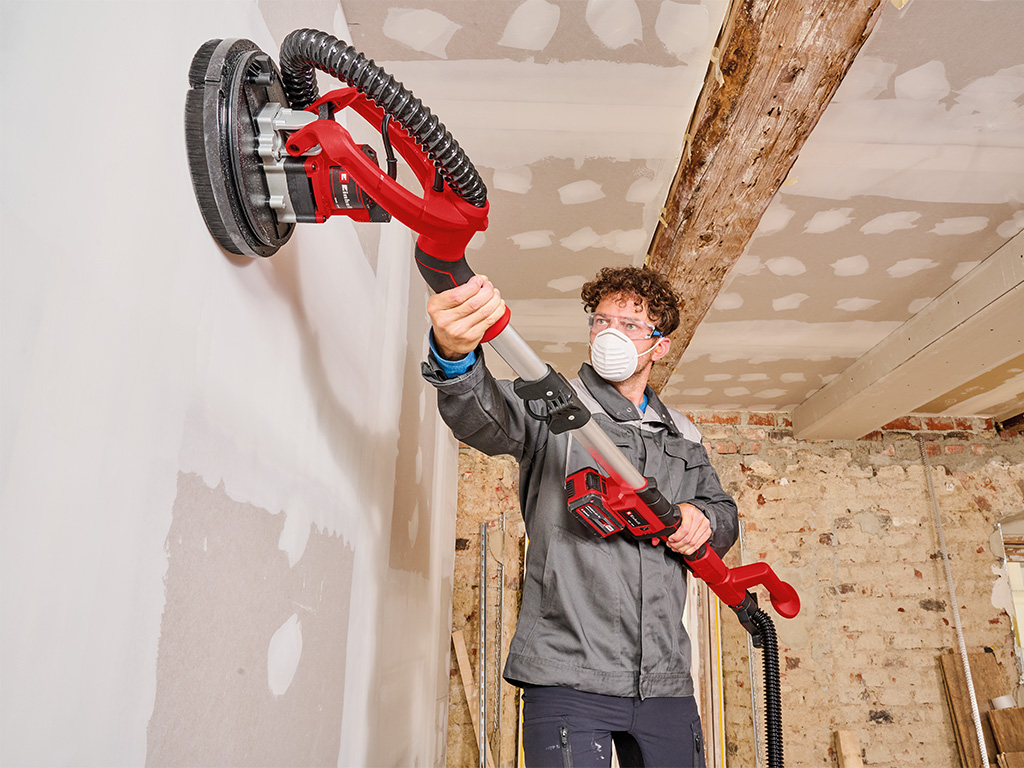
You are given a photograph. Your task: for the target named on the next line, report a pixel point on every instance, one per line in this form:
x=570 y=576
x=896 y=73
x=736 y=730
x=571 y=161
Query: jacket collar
x=621 y=408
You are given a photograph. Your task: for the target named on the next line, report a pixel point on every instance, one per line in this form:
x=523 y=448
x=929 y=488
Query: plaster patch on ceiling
x=850 y=266
x=907 y=267
x=918 y=304
x=925 y=83
x=828 y=221
x=786 y=339
x=792 y=378
x=516 y=180
x=866 y=81
x=963 y=268
x=696 y=392
x=726 y=301
x=792 y=301
x=581 y=239
x=754 y=377
x=630 y=242
x=477 y=241
x=566 y=284
x=586 y=191
x=891 y=222
x=855 y=304
x=1013 y=226
x=556 y=349
x=786 y=265
x=556 y=321
x=962 y=225
x=770 y=394
x=735 y=391
x=531 y=26
x=1002 y=88
x=718 y=377
x=422 y=30
x=775 y=219
x=644 y=191
x=540 y=238
x=747 y=264
x=682 y=28
x=616 y=23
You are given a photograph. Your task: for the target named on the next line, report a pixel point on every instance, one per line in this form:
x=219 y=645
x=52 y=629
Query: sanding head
x=231 y=81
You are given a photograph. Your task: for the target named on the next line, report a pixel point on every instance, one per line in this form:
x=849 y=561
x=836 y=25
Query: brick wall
x=849 y=524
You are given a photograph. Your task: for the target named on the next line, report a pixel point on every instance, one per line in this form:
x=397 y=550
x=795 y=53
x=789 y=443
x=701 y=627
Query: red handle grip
x=731 y=584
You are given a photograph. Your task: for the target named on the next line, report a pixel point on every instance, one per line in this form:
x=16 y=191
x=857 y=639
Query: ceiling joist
x=779 y=63
x=975 y=326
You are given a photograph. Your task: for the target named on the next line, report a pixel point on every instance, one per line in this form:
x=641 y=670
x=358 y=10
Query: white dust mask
x=614 y=356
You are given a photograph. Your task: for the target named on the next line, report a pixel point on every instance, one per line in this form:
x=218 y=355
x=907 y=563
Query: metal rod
x=975 y=714
x=482 y=718
x=524 y=361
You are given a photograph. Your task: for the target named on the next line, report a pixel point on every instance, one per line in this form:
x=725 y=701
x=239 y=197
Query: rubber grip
x=443 y=275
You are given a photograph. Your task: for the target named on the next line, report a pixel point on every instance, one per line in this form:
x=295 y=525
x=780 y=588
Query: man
x=599 y=648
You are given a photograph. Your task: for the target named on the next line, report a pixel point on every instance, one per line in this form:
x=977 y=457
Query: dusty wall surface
x=850 y=525
x=227 y=500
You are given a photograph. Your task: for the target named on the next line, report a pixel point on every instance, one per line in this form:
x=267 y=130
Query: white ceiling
x=575 y=111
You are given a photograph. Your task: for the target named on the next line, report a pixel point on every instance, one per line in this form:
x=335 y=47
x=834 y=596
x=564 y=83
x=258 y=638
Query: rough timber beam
x=780 y=63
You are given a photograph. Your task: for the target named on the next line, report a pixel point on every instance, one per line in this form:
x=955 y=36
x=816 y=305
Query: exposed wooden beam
x=780 y=62
x=976 y=325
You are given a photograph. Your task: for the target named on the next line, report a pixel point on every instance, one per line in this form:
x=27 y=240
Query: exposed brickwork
x=849 y=524
x=488 y=487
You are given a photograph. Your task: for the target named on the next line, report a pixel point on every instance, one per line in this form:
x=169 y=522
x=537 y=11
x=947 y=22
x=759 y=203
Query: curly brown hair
x=649 y=290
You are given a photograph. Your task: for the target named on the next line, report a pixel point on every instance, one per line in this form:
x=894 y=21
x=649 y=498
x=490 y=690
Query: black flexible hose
x=306 y=49
x=772 y=692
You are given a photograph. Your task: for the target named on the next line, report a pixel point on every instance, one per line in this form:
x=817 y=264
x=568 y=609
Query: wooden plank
x=780 y=62
x=988 y=683
x=1011 y=760
x=975 y=326
x=1007 y=728
x=848 y=750
x=466 y=672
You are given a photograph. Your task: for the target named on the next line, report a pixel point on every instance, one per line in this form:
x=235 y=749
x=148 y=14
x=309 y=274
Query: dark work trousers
x=563 y=728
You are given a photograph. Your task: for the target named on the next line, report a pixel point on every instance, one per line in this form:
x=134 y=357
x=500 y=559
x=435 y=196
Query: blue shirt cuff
x=451 y=368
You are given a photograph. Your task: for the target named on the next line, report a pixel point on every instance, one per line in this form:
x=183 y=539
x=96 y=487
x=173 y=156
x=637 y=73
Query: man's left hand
x=694 y=529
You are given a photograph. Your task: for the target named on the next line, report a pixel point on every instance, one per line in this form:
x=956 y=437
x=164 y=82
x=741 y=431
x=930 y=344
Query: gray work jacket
x=598 y=615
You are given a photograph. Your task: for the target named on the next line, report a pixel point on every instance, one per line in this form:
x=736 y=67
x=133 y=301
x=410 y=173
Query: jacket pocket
x=580 y=612
x=689 y=460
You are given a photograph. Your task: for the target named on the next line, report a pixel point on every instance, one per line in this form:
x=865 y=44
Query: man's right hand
x=462 y=315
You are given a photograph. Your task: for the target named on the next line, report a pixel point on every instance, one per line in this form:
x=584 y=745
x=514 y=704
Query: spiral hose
x=306 y=49
x=772 y=692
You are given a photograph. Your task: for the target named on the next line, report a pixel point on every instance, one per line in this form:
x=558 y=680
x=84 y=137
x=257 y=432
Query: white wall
x=228 y=505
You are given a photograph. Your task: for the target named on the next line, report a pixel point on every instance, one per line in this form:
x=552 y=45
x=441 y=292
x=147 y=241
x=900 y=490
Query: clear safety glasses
x=631 y=327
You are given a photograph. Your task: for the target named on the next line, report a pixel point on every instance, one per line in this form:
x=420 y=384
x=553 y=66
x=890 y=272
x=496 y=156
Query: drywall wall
x=228 y=504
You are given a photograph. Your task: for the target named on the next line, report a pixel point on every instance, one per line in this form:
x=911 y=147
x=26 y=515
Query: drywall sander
x=266 y=153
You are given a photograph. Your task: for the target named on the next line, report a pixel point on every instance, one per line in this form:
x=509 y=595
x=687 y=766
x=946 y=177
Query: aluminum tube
x=516 y=352
x=608 y=455
x=524 y=361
